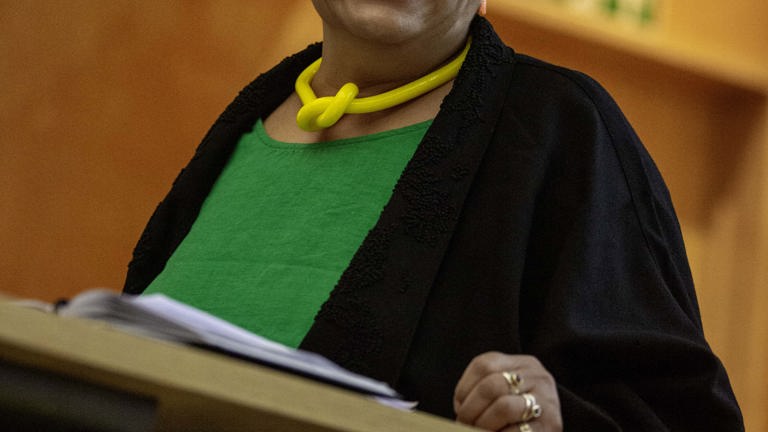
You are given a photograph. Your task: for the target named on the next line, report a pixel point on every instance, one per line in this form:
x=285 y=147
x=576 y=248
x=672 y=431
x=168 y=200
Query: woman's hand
x=503 y=392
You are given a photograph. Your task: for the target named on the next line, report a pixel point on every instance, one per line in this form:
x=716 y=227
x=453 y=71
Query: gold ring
x=525 y=427
x=532 y=409
x=513 y=380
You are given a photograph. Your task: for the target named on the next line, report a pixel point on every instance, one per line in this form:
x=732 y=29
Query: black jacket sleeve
x=607 y=299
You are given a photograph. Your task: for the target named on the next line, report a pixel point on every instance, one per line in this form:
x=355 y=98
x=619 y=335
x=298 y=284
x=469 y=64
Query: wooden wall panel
x=102 y=104
x=736 y=27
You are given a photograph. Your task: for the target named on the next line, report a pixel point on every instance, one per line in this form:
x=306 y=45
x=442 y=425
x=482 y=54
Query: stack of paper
x=160 y=317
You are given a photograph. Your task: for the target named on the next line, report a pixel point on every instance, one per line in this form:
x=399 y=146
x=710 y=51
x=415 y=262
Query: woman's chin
x=382 y=21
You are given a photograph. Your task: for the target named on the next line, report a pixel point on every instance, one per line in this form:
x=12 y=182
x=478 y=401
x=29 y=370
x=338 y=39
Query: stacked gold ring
x=532 y=409
x=514 y=381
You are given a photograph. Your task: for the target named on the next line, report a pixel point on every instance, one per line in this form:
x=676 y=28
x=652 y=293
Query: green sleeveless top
x=281 y=224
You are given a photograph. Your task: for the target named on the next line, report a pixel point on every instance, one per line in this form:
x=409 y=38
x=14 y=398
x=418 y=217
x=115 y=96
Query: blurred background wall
x=103 y=102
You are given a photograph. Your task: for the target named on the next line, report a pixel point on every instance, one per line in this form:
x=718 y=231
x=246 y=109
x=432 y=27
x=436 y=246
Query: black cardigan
x=530 y=220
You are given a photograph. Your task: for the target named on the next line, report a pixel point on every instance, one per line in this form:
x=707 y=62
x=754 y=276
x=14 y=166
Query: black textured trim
x=390 y=276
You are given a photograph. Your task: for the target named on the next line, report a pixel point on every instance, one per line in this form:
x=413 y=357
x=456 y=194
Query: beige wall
x=102 y=104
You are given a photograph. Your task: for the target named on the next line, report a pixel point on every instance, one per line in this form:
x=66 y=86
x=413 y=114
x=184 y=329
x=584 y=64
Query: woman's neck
x=374 y=67
x=377 y=67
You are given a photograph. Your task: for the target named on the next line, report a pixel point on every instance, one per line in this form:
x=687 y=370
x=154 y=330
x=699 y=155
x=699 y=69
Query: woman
x=526 y=272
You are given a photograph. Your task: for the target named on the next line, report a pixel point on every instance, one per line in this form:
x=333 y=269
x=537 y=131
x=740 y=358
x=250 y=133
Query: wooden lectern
x=77 y=375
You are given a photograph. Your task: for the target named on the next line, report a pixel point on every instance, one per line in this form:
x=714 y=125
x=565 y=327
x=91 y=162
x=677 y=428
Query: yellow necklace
x=320 y=113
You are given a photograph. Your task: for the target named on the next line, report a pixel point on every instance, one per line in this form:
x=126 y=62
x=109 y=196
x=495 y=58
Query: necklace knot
x=324 y=112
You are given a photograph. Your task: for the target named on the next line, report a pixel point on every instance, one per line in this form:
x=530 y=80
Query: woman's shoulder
x=569 y=111
x=573 y=124
x=544 y=70
x=539 y=84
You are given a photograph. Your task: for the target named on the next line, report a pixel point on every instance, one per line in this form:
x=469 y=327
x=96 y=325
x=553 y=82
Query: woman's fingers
x=484 y=394
x=498 y=390
x=491 y=363
x=505 y=410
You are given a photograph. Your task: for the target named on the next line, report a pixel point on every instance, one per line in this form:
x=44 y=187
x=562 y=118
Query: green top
x=281 y=224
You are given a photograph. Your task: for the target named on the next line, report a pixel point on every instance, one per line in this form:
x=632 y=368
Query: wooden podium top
x=192 y=389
